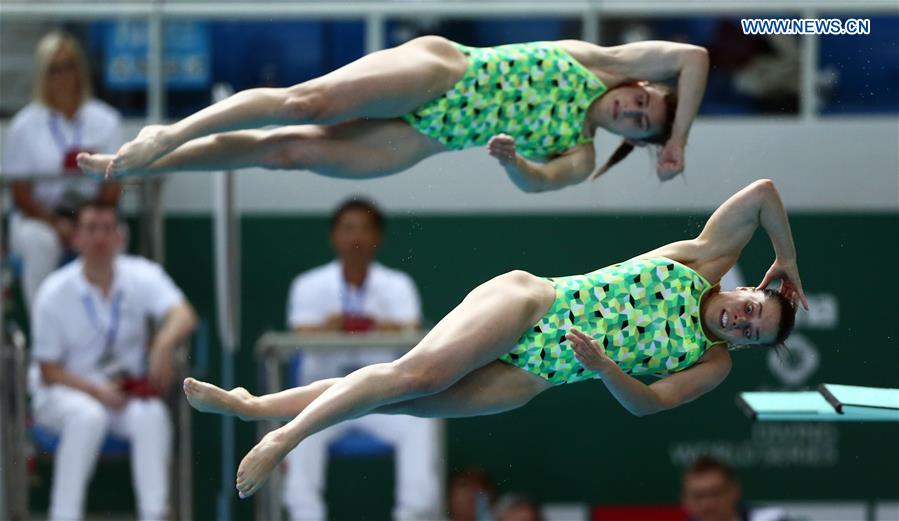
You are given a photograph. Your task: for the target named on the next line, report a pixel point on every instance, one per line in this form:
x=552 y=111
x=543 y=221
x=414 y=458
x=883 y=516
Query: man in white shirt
x=95 y=368
x=43 y=139
x=355 y=293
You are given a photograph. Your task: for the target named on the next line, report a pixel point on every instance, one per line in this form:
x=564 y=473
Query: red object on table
x=358 y=323
x=70 y=161
x=138 y=387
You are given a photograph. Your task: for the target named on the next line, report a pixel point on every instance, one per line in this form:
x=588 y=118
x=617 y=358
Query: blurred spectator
x=636 y=32
x=765 y=67
x=470 y=496
x=356 y=294
x=773 y=78
x=43 y=140
x=18 y=39
x=95 y=367
x=514 y=507
x=711 y=492
x=748 y=73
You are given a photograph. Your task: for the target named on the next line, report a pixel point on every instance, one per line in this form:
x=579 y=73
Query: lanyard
x=353 y=303
x=59 y=137
x=115 y=315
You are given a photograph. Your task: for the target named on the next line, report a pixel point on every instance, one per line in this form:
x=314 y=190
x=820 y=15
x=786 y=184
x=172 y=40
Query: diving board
x=788 y=406
x=832 y=402
x=868 y=401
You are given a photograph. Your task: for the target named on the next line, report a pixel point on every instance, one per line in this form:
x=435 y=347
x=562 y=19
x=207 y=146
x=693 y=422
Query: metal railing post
x=808 y=74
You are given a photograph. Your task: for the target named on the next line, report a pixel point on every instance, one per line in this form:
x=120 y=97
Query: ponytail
x=620 y=153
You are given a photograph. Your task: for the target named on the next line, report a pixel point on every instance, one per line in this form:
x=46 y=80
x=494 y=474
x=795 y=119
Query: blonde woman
x=43 y=141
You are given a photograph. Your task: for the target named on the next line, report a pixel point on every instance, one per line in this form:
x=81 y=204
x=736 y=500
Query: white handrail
x=376 y=12
x=7 y=180
x=465 y=8
x=71 y=10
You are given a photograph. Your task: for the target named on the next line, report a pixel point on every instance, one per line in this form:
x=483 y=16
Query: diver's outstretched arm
x=641 y=399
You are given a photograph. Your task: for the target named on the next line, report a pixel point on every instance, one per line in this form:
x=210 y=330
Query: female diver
x=536 y=106
x=517 y=335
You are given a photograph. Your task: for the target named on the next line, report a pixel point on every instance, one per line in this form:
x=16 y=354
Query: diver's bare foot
x=150 y=144
x=94 y=165
x=258 y=464
x=206 y=397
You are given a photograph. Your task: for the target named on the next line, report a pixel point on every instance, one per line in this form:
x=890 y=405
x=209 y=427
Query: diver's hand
x=790 y=284
x=502 y=147
x=588 y=352
x=671 y=160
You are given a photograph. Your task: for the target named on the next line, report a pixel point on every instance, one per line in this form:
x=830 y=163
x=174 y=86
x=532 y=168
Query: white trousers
x=82 y=423
x=415 y=443
x=39 y=247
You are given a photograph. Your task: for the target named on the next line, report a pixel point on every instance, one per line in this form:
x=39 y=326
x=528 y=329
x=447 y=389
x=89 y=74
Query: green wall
x=575 y=443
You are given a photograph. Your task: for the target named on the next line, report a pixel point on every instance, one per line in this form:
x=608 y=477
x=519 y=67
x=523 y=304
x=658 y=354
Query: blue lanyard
x=114 y=317
x=60 y=139
x=353 y=306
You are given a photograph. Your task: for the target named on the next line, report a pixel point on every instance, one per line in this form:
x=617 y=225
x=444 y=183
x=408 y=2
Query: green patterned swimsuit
x=535 y=92
x=644 y=312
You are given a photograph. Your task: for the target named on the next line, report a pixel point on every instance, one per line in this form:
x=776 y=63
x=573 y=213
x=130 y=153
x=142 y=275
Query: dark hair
x=669 y=97
x=362 y=204
x=97 y=205
x=468 y=476
x=706 y=463
x=475 y=476
x=787 y=316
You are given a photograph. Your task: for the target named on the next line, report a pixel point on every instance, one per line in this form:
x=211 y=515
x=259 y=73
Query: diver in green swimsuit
x=660 y=313
x=536 y=106
x=645 y=313
x=534 y=91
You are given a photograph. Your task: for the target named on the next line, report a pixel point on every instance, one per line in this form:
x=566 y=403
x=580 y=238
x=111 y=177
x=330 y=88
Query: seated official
x=355 y=293
x=96 y=370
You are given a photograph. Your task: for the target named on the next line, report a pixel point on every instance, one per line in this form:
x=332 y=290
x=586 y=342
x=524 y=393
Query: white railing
x=375 y=13
x=358 y=9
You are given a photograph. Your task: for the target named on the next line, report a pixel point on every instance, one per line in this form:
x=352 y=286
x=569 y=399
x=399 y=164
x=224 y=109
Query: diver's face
x=634 y=112
x=742 y=317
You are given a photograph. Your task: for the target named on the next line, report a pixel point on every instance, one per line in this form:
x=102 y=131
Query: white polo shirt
x=387 y=295
x=38 y=138
x=93 y=335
